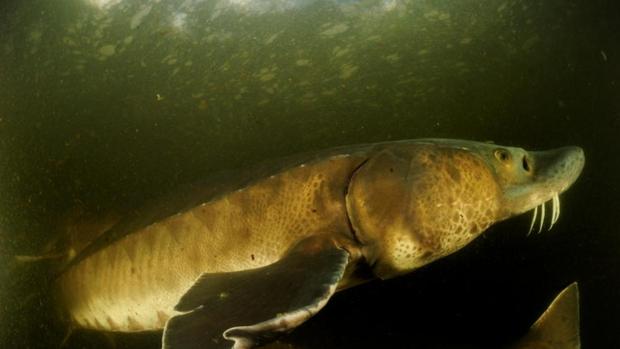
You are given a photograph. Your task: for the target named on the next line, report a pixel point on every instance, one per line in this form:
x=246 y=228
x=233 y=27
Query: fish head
x=530 y=179
x=411 y=203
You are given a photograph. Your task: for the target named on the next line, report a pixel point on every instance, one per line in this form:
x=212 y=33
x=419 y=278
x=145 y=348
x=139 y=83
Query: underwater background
x=105 y=104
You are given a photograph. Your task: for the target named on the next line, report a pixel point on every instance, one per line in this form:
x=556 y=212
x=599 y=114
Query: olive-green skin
x=392 y=206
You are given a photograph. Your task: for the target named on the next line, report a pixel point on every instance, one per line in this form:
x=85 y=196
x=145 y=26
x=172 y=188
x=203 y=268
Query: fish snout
x=550 y=173
x=560 y=167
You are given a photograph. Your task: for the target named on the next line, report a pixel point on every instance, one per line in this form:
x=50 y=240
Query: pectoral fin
x=255 y=306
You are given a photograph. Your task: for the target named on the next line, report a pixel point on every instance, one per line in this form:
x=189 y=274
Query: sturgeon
x=246 y=258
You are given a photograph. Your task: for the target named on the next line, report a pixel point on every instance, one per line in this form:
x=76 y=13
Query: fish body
x=134 y=283
x=244 y=260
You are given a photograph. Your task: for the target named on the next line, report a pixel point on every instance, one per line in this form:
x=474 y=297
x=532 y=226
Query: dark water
x=108 y=103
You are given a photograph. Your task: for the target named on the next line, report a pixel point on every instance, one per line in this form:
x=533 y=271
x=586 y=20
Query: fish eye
x=502 y=155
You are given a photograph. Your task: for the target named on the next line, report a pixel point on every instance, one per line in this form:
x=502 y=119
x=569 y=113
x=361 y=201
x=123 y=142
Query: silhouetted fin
x=255 y=306
x=558 y=326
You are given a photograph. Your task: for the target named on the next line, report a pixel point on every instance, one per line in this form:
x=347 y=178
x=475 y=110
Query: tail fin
x=75 y=230
x=27 y=280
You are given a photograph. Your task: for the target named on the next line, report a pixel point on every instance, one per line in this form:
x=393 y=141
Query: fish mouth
x=553 y=172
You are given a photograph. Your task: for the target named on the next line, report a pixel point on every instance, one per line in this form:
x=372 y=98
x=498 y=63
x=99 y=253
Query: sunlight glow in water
x=103 y=4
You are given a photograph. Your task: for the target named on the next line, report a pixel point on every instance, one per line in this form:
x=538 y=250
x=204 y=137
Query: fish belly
x=135 y=283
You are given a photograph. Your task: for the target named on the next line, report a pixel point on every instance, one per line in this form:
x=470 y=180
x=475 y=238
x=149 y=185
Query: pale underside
x=134 y=284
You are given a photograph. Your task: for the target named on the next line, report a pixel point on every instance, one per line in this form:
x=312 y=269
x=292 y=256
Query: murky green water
x=107 y=103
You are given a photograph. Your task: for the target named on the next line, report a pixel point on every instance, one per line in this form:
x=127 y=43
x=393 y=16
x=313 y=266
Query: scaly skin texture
x=393 y=207
x=451 y=197
x=134 y=284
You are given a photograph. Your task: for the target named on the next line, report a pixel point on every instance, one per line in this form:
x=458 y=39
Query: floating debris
x=347 y=70
x=335 y=30
x=303 y=62
x=107 y=50
x=136 y=20
x=465 y=41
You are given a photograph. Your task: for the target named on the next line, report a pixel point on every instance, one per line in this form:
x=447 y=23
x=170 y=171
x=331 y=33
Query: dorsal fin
x=558 y=326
